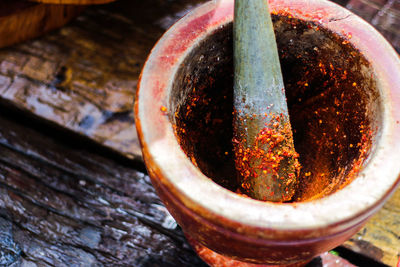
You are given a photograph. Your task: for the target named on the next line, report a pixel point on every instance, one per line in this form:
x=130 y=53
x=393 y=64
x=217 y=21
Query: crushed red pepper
x=332 y=99
x=163 y=109
x=268 y=169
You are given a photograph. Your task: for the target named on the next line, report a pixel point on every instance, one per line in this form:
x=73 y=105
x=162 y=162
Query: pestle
x=265 y=158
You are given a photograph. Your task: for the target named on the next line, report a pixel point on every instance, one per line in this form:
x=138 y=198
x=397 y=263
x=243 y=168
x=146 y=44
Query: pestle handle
x=263 y=141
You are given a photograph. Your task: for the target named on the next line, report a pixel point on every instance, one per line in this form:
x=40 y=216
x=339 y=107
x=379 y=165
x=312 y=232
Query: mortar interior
x=332 y=96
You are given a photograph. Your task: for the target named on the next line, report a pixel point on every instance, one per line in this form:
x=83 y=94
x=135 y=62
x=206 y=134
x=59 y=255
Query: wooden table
x=73 y=187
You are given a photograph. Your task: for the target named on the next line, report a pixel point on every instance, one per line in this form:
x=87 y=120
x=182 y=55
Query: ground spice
x=334 y=122
x=268 y=168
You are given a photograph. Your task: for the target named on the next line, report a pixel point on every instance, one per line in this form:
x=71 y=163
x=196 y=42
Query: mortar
x=343 y=92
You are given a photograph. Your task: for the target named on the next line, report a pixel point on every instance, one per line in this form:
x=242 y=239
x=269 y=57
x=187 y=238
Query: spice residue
x=333 y=102
x=268 y=168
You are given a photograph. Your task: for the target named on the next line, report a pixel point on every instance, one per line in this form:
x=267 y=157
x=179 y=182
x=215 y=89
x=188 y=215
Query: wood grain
x=20 y=21
x=65 y=205
x=83 y=77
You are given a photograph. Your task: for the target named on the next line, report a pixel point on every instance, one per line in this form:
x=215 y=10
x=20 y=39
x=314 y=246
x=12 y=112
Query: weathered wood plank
x=84 y=76
x=63 y=205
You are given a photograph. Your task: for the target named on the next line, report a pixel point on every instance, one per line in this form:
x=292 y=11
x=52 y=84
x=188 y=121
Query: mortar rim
x=159 y=147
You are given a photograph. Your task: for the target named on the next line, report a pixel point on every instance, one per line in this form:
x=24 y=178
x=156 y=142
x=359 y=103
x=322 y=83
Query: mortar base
x=214 y=259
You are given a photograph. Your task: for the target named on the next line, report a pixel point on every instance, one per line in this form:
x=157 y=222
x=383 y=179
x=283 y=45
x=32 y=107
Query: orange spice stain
x=344 y=147
x=270 y=155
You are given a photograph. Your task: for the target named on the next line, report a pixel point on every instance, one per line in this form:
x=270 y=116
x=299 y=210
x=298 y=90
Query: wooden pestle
x=263 y=141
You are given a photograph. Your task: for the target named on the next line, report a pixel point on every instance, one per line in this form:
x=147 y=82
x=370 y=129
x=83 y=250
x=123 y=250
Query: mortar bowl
x=343 y=91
